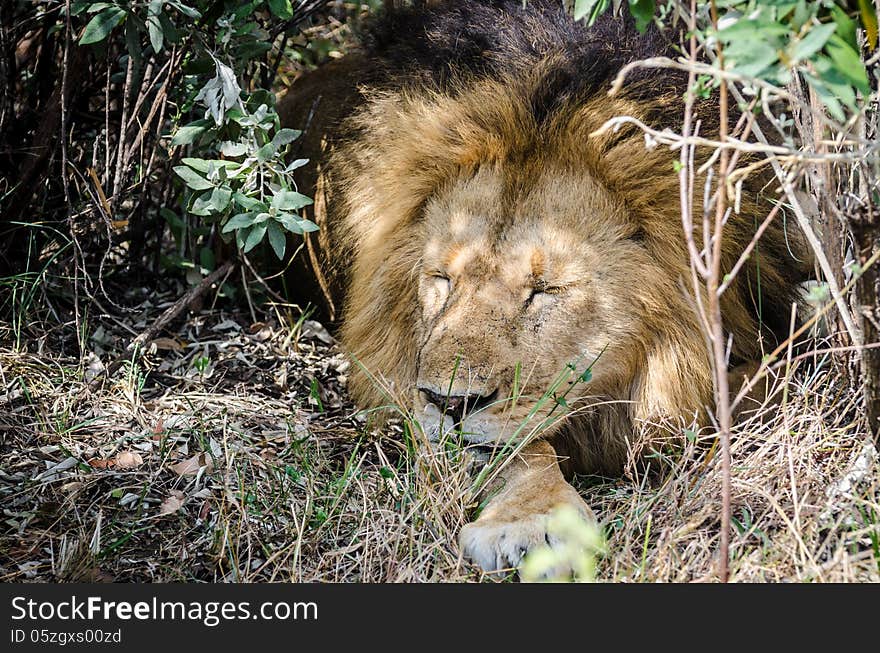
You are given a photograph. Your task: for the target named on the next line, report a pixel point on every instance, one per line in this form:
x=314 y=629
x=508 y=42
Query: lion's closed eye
x=434 y=291
x=544 y=293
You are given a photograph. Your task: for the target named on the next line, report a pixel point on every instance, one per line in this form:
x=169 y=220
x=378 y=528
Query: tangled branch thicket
x=223 y=447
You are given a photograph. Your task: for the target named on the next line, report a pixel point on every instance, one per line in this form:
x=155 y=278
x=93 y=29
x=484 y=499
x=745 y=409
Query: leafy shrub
x=242 y=180
x=168 y=114
x=770 y=40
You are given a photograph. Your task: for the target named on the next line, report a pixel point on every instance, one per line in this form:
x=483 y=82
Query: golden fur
x=486 y=247
x=479 y=150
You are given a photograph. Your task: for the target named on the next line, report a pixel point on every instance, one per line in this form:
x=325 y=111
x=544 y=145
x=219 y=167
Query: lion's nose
x=457 y=406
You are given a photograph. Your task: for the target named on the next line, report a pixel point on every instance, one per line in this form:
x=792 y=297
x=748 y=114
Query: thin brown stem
x=730 y=276
x=722 y=391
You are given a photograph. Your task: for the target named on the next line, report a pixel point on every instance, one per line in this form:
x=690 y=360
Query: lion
x=485 y=240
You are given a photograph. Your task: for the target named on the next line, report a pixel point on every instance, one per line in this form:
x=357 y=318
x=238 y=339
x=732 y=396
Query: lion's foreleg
x=515 y=519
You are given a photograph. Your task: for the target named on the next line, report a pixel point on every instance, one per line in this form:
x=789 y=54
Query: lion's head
x=524 y=274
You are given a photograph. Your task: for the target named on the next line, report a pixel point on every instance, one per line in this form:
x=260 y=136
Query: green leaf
x=98 y=6
x=154 y=28
x=277 y=239
x=803 y=12
x=221 y=93
x=285 y=136
x=643 y=12
x=281 y=8
x=238 y=116
x=241 y=235
x=254 y=237
x=837 y=85
x=848 y=63
x=828 y=99
x=185 y=10
x=100 y=26
x=288 y=200
x=231 y=148
x=201 y=205
x=239 y=221
x=172 y=34
x=247 y=50
x=299 y=163
x=206 y=258
x=178 y=226
x=295 y=224
x=205 y=165
x=220 y=198
x=290 y=222
x=846 y=27
x=813 y=42
x=192 y=178
x=171 y=217
x=214 y=202
x=155 y=32
x=133 y=41
x=250 y=203
x=583 y=8
x=266 y=152
x=751 y=59
x=308 y=225
x=755 y=30
x=189 y=133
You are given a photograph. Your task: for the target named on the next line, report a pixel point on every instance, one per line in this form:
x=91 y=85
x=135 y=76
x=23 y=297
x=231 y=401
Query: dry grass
x=805 y=499
x=231 y=453
x=272 y=473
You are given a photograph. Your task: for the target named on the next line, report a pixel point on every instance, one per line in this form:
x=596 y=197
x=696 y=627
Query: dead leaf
x=128 y=460
x=159 y=430
x=313 y=329
x=191 y=466
x=94 y=367
x=172 y=503
x=73 y=487
x=167 y=344
x=98 y=575
x=281 y=378
x=88 y=574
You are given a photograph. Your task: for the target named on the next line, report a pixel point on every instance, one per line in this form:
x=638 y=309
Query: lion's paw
x=498 y=544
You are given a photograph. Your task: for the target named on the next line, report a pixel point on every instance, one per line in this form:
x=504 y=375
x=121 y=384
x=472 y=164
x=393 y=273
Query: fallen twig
x=137 y=345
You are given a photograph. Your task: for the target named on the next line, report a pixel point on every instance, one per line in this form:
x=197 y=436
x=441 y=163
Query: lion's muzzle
x=470 y=416
x=457 y=406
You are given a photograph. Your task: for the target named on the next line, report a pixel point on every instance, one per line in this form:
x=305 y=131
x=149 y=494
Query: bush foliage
x=167 y=111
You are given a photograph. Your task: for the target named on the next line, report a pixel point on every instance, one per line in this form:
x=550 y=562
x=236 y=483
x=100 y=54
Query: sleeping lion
x=481 y=251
